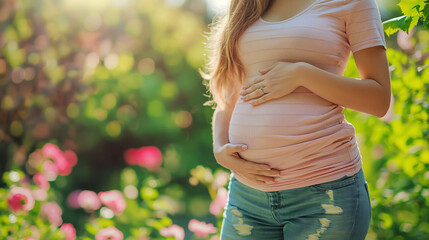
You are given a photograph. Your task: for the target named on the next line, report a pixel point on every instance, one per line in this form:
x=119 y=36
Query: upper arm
x=229 y=106
x=363 y=25
x=372 y=64
x=365 y=34
x=235 y=89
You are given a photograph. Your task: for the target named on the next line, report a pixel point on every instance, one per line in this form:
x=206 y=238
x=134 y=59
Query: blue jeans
x=335 y=210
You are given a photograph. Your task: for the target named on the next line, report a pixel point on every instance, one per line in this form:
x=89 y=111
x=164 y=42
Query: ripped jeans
x=339 y=209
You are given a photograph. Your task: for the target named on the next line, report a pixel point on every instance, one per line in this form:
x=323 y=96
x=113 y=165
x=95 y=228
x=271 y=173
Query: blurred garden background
x=103 y=132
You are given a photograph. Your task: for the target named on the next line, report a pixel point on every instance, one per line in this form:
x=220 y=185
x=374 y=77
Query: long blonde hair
x=225 y=69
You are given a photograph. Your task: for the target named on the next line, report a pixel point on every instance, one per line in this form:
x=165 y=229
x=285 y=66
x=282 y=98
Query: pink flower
x=109 y=233
x=72 y=199
x=53 y=211
x=20 y=199
x=41 y=181
x=216 y=207
x=49 y=170
x=88 y=200
x=69 y=230
x=149 y=157
x=113 y=200
x=173 y=231
x=39 y=194
x=201 y=229
x=64 y=161
x=64 y=168
x=71 y=157
x=51 y=150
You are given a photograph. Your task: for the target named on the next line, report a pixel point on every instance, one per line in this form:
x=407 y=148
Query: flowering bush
x=34 y=209
x=28 y=208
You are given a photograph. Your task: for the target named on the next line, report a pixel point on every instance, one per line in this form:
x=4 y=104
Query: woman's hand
x=276 y=81
x=227 y=156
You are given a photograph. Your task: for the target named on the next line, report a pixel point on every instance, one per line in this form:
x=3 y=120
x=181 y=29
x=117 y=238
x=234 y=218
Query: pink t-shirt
x=302 y=134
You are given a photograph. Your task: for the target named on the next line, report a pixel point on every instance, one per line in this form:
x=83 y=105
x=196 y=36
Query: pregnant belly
x=291 y=132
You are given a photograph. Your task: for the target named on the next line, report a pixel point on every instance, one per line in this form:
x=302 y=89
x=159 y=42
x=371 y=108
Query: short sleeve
x=364 y=28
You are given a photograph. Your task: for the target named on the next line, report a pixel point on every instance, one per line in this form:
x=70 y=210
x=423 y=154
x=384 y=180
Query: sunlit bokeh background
x=105 y=95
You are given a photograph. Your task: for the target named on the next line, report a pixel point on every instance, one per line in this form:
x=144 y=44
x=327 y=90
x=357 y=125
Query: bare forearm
x=363 y=95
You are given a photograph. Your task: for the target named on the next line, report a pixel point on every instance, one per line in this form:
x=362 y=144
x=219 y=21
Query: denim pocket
x=335 y=184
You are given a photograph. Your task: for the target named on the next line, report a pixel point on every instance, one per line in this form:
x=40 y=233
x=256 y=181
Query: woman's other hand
x=278 y=80
x=227 y=156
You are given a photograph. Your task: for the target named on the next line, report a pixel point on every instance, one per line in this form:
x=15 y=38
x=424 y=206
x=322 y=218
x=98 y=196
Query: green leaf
x=413 y=11
x=395 y=24
x=425 y=12
x=410 y=7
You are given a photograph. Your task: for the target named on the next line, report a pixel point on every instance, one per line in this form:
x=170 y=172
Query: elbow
x=386 y=107
x=381 y=114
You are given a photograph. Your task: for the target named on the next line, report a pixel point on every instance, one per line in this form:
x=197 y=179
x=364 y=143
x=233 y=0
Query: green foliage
x=144 y=216
x=396 y=153
x=413 y=10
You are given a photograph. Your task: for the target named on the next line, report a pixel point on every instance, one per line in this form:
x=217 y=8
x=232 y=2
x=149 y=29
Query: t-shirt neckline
x=288 y=19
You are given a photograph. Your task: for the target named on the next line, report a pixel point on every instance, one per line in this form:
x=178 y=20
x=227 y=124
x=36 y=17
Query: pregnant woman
x=276 y=74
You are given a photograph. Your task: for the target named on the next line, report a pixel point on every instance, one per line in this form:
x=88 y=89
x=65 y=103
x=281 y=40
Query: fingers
x=262 y=170
x=262 y=178
x=262 y=99
x=251 y=178
x=263 y=71
x=256 y=93
x=257 y=168
x=252 y=88
x=232 y=148
x=254 y=167
x=259 y=79
x=271 y=172
x=255 y=178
